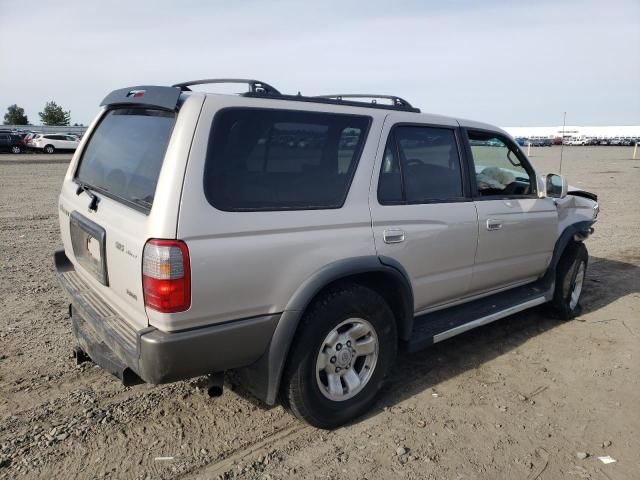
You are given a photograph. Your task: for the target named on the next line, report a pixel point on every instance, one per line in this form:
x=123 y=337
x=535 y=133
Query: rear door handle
x=494 y=224
x=393 y=235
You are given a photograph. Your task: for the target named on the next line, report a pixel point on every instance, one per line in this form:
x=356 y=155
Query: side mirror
x=556 y=186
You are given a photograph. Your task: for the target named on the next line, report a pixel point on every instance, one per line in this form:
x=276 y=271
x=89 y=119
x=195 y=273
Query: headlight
x=596 y=210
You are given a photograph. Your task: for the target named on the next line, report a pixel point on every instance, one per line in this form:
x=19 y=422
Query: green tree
x=15 y=116
x=53 y=114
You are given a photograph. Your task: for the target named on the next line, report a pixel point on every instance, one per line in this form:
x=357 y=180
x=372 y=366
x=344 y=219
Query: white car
x=51 y=142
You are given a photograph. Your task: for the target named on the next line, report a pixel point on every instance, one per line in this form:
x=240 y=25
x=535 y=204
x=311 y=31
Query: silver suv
x=301 y=241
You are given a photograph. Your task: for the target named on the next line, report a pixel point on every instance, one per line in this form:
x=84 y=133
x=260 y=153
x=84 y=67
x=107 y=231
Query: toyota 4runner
x=301 y=241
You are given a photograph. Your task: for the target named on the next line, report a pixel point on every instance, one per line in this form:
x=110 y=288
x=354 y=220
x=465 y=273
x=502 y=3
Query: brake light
x=166 y=276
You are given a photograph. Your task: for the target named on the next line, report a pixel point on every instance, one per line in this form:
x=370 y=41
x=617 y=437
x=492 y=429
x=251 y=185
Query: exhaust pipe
x=215 y=383
x=81 y=356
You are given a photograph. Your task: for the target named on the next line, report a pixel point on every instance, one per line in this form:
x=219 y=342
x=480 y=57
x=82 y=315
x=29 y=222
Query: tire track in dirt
x=251 y=451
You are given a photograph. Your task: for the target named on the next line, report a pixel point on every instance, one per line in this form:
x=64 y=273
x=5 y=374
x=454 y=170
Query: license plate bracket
x=88 y=240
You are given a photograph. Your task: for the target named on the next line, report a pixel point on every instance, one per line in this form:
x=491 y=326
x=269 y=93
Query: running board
x=443 y=324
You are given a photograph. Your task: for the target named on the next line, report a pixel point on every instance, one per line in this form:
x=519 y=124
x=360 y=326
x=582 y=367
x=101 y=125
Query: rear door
x=423 y=215
x=517 y=230
x=109 y=205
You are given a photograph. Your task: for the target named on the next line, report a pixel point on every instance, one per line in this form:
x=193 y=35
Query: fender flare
x=582 y=228
x=263 y=377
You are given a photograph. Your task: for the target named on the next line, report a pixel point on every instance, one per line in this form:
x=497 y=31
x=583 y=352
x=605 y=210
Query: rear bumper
x=151 y=355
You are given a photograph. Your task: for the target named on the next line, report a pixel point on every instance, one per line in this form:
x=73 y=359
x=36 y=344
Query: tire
x=16 y=149
x=349 y=310
x=570 y=275
x=49 y=149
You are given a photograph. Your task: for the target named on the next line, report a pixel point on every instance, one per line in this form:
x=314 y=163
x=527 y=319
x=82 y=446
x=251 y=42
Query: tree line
x=51 y=115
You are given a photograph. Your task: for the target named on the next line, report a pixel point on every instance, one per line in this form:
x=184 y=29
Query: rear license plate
x=88 y=242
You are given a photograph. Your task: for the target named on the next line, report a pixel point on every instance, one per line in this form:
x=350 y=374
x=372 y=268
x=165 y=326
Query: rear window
x=124 y=154
x=260 y=159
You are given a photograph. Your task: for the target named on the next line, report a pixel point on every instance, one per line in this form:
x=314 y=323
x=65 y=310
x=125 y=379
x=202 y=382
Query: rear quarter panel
x=250 y=263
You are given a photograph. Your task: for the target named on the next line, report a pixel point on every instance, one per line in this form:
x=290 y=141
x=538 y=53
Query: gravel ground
x=526 y=397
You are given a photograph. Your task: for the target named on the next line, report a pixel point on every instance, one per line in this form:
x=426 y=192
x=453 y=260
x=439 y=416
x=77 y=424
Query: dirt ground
x=527 y=397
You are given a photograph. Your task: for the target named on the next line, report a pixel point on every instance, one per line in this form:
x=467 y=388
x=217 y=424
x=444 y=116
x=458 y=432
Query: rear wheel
x=16 y=149
x=49 y=149
x=345 y=347
x=570 y=275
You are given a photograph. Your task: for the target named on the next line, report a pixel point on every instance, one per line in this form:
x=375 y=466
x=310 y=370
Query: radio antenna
x=564 y=121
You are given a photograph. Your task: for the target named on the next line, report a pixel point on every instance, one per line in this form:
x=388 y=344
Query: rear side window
x=259 y=159
x=125 y=152
x=420 y=165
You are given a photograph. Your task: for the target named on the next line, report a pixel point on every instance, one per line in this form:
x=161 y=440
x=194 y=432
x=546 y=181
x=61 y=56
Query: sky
x=509 y=63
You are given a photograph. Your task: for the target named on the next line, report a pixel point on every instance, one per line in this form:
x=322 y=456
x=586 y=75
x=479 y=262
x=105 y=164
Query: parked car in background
x=557 y=141
x=11 y=143
x=49 y=143
x=540 y=142
x=615 y=141
x=521 y=141
x=575 y=141
x=28 y=138
x=603 y=141
x=591 y=141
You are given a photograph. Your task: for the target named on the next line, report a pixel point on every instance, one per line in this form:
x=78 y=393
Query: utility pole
x=564 y=121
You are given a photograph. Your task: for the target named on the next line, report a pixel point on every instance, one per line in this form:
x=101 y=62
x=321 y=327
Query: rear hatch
x=109 y=205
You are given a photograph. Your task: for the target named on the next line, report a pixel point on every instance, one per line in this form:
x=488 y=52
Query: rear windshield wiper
x=83 y=187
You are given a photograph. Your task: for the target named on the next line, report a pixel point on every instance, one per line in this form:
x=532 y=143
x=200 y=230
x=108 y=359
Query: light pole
x=564 y=121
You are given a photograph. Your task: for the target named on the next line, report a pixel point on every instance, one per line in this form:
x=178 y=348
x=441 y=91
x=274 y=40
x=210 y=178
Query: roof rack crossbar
x=396 y=101
x=255 y=86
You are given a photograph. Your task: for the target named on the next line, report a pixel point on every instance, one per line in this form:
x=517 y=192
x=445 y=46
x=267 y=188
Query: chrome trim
x=393 y=235
x=494 y=224
x=489 y=318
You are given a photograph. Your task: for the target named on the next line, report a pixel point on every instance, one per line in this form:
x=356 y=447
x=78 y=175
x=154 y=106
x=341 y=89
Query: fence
x=45 y=129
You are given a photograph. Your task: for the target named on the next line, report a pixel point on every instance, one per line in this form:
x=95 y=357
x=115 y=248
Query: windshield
x=125 y=152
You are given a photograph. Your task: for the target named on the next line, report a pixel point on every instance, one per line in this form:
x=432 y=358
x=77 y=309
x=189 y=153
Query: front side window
x=420 y=165
x=259 y=159
x=499 y=171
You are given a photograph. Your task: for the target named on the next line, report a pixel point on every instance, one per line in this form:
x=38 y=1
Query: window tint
x=420 y=164
x=125 y=153
x=498 y=169
x=260 y=159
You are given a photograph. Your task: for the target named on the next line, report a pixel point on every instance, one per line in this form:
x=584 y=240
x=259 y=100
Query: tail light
x=166 y=276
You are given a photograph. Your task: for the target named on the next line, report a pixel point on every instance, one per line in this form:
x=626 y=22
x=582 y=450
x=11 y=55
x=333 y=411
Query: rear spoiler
x=144 y=95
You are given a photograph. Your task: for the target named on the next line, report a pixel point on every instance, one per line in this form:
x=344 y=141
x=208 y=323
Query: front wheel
x=570 y=275
x=16 y=149
x=346 y=345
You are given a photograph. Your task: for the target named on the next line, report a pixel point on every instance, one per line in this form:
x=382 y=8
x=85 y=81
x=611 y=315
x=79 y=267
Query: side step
x=435 y=327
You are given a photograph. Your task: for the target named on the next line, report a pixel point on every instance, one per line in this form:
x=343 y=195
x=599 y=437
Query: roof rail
x=255 y=86
x=396 y=101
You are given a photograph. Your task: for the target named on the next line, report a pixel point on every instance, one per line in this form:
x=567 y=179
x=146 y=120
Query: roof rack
x=258 y=88
x=396 y=101
x=255 y=86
